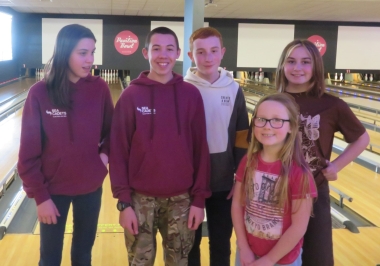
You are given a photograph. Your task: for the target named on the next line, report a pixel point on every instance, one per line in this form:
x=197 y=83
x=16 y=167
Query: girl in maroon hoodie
x=65 y=144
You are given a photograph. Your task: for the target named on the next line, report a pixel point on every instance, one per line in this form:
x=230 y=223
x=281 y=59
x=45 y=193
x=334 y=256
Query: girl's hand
x=330 y=172
x=263 y=261
x=247 y=257
x=47 y=212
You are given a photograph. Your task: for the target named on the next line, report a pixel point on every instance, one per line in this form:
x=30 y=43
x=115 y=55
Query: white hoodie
x=226 y=118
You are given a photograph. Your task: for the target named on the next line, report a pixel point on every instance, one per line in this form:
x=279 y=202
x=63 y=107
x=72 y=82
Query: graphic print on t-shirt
x=310 y=133
x=262 y=218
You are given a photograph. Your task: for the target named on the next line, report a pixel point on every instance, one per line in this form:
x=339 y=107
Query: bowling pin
x=336 y=76
x=365 y=77
x=370 y=77
x=341 y=77
x=261 y=76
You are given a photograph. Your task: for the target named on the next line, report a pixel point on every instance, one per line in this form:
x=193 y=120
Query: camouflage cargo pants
x=169 y=216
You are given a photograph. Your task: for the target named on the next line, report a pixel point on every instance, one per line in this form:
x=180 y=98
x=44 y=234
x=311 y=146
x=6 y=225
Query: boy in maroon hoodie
x=159 y=160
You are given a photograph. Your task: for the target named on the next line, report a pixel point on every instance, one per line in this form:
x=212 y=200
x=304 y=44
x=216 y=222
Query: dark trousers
x=219 y=225
x=85 y=219
x=317 y=246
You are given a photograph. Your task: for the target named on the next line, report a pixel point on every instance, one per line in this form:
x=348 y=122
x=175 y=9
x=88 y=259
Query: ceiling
x=322 y=10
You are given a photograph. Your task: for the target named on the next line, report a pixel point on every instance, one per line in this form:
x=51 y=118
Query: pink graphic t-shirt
x=265 y=223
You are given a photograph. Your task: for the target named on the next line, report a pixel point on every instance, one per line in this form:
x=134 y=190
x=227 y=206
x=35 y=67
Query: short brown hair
x=161 y=30
x=317 y=82
x=204 y=33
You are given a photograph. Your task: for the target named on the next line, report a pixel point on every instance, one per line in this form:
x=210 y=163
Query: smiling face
x=207 y=55
x=81 y=59
x=162 y=54
x=298 y=70
x=272 y=139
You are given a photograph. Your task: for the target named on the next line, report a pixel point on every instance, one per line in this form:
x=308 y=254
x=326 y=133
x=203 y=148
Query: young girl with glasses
x=300 y=74
x=274 y=188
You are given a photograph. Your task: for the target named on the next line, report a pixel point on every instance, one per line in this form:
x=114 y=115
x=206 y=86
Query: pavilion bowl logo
x=126 y=42
x=319 y=42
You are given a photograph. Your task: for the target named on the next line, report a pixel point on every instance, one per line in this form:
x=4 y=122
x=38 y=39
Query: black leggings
x=317 y=246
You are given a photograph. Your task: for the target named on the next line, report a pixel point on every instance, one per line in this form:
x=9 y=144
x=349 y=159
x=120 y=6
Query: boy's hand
x=231 y=192
x=47 y=212
x=128 y=220
x=196 y=216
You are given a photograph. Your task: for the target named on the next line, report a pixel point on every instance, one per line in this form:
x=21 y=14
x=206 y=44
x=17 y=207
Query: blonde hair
x=317 y=83
x=290 y=153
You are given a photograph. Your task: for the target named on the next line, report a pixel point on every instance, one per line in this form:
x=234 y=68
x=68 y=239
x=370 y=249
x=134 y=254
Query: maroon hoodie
x=158 y=141
x=59 y=150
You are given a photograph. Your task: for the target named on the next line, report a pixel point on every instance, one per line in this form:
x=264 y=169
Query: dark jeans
x=219 y=225
x=317 y=245
x=85 y=219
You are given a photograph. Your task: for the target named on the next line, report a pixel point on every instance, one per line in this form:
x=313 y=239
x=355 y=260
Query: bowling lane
x=363 y=185
x=15 y=88
x=10 y=129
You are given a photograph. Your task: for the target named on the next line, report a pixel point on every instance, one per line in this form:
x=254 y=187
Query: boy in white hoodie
x=227 y=127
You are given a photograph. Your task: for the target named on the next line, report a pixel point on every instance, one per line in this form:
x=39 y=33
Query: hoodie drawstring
x=152 y=113
x=71 y=135
x=176 y=109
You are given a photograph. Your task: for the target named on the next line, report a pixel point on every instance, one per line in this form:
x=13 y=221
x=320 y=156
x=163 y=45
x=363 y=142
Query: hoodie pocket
x=165 y=167
x=79 y=167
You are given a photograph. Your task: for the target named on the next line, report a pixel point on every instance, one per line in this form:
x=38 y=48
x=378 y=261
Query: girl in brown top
x=300 y=73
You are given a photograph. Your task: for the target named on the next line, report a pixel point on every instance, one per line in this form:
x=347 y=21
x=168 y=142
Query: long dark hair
x=317 y=82
x=56 y=78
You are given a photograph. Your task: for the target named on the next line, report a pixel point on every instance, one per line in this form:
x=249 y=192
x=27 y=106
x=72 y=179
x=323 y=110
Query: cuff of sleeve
x=198 y=202
x=41 y=196
x=125 y=198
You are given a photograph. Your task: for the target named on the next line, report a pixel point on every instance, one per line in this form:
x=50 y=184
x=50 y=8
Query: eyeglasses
x=274 y=122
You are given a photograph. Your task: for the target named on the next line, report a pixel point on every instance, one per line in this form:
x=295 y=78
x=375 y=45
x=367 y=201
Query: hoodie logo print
x=144 y=110
x=56 y=113
x=225 y=100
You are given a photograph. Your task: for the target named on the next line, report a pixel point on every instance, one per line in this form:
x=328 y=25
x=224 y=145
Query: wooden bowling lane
x=363 y=185
x=10 y=129
x=357 y=249
x=109 y=249
x=16 y=87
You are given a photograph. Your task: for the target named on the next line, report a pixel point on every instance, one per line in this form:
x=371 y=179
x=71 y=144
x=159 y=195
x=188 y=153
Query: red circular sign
x=319 y=42
x=126 y=42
